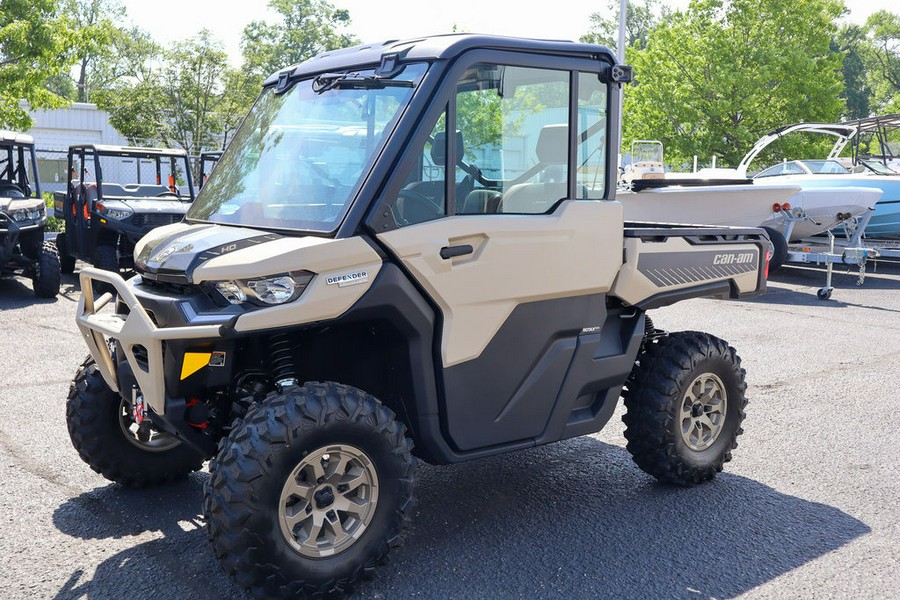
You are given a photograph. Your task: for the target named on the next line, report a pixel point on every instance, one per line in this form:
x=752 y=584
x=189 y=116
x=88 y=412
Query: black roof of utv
x=435 y=48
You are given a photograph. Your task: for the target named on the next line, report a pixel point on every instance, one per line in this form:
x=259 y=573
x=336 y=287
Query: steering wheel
x=167 y=193
x=424 y=208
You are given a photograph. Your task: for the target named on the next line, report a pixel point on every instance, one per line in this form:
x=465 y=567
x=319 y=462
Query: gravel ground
x=808 y=508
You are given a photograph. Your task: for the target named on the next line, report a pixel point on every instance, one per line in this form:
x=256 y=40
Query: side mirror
x=622 y=74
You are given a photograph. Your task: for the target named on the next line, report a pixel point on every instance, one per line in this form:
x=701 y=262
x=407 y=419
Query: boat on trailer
x=723 y=197
x=863 y=167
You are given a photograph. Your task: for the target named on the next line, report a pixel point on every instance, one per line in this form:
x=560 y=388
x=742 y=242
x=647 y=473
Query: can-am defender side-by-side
x=114 y=196
x=23 y=217
x=354 y=288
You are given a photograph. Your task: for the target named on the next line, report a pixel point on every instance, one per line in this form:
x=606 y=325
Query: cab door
x=504 y=226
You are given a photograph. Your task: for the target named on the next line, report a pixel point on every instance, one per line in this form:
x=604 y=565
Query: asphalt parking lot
x=808 y=508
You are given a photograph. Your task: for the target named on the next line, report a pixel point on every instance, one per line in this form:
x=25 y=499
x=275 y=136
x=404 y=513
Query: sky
x=377 y=20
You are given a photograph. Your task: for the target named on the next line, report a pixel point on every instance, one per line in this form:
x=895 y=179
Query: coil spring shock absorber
x=282 y=361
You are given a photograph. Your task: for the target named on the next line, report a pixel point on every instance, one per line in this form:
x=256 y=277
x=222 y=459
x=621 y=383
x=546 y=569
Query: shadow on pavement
x=576 y=520
x=16 y=292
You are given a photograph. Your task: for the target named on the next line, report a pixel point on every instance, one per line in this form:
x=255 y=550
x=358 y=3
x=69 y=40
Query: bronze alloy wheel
x=328 y=500
x=703 y=410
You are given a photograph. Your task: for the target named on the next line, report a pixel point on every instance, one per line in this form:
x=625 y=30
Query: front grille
x=155 y=219
x=181 y=289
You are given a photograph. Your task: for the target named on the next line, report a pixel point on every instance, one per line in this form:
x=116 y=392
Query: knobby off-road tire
x=46 y=278
x=297 y=454
x=99 y=421
x=66 y=261
x=685 y=404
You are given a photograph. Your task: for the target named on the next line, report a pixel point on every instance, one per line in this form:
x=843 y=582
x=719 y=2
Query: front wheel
x=309 y=492
x=685 y=405
x=106 y=437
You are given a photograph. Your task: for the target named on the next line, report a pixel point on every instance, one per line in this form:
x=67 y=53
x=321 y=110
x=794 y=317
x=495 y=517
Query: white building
x=55 y=130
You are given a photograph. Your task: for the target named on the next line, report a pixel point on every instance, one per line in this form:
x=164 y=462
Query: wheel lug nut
x=309 y=508
x=342 y=488
x=331 y=516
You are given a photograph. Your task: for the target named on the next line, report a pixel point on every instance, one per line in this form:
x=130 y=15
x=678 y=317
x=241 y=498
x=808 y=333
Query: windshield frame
x=368 y=164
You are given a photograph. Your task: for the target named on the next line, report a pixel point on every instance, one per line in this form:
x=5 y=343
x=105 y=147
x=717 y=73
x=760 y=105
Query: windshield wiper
x=355 y=81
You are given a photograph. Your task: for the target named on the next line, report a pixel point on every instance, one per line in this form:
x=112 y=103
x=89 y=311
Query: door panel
x=512 y=309
x=576 y=250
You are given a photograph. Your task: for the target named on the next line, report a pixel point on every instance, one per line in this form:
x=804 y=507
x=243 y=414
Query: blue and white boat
x=858 y=170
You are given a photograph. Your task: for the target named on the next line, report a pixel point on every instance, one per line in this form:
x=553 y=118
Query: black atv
x=23 y=217
x=114 y=196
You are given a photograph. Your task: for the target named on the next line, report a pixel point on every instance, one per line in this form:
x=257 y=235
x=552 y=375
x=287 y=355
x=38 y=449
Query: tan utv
x=23 y=218
x=354 y=290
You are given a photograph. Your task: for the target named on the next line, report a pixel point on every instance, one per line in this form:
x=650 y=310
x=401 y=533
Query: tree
x=852 y=44
x=34 y=45
x=640 y=19
x=307 y=28
x=192 y=80
x=884 y=59
x=187 y=98
x=714 y=78
x=94 y=30
x=239 y=91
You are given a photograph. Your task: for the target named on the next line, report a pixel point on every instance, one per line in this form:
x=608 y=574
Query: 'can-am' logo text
x=348 y=279
x=733 y=259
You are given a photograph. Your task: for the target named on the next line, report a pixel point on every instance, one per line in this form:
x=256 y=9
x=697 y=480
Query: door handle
x=448 y=252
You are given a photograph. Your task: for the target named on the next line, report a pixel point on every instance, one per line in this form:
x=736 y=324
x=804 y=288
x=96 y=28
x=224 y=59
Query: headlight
x=26 y=214
x=271 y=290
x=117 y=213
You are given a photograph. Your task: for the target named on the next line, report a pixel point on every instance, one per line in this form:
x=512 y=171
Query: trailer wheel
x=310 y=491
x=685 y=405
x=45 y=280
x=779 y=249
x=104 y=434
x=66 y=261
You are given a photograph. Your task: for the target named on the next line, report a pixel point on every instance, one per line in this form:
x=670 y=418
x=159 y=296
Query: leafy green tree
x=307 y=28
x=640 y=19
x=35 y=43
x=852 y=44
x=884 y=59
x=95 y=27
x=192 y=80
x=239 y=90
x=715 y=77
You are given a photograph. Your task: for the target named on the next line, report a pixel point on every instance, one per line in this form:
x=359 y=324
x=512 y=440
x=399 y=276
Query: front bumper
x=139 y=338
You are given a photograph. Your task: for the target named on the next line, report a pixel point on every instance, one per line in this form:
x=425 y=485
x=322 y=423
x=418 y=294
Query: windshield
x=825 y=167
x=17 y=172
x=877 y=167
x=299 y=158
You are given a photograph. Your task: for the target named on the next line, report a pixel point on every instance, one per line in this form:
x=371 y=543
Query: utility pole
x=620 y=51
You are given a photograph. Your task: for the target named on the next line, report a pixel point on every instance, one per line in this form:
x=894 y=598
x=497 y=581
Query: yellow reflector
x=193 y=362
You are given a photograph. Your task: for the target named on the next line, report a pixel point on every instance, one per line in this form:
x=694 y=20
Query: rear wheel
x=685 y=405
x=45 y=280
x=107 y=438
x=308 y=494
